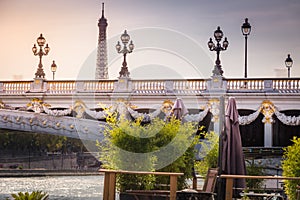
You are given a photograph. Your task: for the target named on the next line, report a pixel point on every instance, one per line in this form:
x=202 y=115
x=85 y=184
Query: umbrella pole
x=221 y=182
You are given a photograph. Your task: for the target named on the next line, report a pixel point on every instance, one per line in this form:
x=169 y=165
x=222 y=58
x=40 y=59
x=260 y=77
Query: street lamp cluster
x=42 y=52
x=41 y=42
x=218 y=34
x=125 y=50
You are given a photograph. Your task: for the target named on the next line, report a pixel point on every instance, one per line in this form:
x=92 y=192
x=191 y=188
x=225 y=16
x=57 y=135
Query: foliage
x=254 y=170
x=125 y=138
x=209 y=153
x=291 y=167
x=184 y=163
x=18 y=142
x=35 y=195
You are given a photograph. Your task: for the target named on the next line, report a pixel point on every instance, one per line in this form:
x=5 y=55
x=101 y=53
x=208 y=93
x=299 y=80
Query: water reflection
x=58 y=187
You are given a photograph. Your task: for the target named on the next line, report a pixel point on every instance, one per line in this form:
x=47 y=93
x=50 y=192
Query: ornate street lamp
x=53 y=68
x=246 y=29
x=288 y=63
x=41 y=42
x=218 y=34
x=126 y=49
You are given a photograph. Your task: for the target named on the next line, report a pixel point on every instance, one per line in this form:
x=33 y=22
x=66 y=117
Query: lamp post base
x=218 y=71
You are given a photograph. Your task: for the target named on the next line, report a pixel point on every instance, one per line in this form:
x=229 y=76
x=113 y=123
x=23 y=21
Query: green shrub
x=35 y=195
x=291 y=167
x=209 y=153
x=125 y=138
x=254 y=170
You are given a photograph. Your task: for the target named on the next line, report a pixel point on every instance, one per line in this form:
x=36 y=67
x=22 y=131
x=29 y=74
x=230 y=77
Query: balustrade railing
x=148 y=86
x=194 y=86
x=245 y=84
x=61 y=87
x=98 y=86
x=15 y=87
x=151 y=86
x=286 y=84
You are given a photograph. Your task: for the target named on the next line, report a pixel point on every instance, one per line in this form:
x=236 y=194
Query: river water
x=58 y=187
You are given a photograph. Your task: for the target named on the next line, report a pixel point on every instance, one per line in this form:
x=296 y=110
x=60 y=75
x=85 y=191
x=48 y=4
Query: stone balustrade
x=149 y=86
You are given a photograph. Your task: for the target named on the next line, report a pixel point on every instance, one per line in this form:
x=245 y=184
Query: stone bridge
x=59 y=107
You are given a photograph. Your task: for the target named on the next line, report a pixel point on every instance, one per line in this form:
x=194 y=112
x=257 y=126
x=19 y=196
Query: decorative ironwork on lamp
x=127 y=48
x=41 y=42
x=218 y=34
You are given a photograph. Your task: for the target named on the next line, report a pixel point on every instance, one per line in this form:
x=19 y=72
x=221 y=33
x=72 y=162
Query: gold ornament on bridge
x=5 y=106
x=37 y=105
x=79 y=107
x=167 y=106
x=2 y=105
x=267 y=109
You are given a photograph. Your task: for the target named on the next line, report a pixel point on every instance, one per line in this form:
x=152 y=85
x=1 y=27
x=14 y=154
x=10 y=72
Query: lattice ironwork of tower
x=101 y=64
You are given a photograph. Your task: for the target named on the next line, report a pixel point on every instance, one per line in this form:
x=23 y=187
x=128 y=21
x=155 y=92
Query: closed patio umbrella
x=179 y=110
x=232 y=153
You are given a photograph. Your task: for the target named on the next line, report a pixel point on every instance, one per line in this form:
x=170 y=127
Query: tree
x=209 y=153
x=291 y=167
x=128 y=145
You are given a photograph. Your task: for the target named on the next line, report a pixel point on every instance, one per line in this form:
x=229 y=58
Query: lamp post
x=246 y=29
x=41 y=42
x=125 y=50
x=288 y=63
x=218 y=34
x=53 y=68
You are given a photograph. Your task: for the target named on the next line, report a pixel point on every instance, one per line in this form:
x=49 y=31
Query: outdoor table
x=269 y=196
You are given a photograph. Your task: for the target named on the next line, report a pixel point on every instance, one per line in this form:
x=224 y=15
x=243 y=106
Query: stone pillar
x=79 y=86
x=268 y=85
x=124 y=84
x=37 y=85
x=217 y=109
x=268 y=137
x=216 y=84
x=1 y=87
x=169 y=87
x=216 y=87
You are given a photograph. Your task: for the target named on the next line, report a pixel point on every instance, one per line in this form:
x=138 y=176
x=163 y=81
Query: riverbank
x=46 y=172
